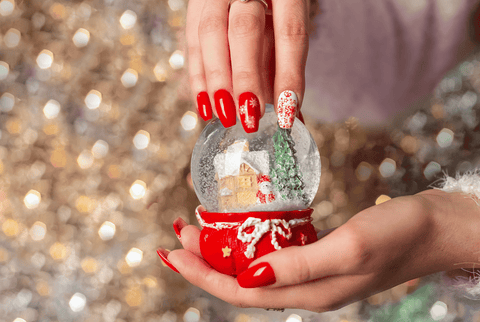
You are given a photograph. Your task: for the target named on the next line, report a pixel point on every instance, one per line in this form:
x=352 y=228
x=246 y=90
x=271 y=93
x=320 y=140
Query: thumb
x=299 y=264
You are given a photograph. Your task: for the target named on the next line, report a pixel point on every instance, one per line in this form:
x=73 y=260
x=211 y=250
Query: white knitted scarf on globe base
x=467 y=183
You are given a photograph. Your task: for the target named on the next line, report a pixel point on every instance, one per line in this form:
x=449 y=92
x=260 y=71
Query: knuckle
x=245 y=24
x=216 y=75
x=210 y=24
x=244 y=77
x=302 y=267
x=196 y=81
x=294 y=29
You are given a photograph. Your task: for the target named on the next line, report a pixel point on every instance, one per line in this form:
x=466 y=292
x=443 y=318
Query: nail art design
x=225 y=107
x=178 y=225
x=257 y=276
x=204 y=106
x=286 y=108
x=163 y=253
x=249 y=110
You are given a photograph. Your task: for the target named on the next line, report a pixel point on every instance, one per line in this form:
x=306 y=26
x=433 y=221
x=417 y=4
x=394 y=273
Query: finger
x=196 y=71
x=334 y=254
x=290 y=21
x=246 y=32
x=212 y=33
x=335 y=292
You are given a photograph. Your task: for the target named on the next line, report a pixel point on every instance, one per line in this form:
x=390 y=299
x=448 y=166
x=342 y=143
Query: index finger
x=290 y=23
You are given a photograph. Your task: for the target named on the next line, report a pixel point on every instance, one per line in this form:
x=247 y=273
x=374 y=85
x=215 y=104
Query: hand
x=243 y=53
x=382 y=246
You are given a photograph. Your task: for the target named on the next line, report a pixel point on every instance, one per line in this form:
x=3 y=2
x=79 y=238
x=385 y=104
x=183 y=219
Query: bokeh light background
x=96 y=134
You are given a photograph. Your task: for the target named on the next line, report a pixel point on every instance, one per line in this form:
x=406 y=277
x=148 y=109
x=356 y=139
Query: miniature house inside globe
x=256 y=188
x=234 y=171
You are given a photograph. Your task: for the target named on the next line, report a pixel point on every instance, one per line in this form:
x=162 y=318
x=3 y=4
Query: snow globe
x=257 y=189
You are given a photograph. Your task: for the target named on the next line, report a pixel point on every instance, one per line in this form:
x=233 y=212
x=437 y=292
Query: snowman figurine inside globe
x=257 y=189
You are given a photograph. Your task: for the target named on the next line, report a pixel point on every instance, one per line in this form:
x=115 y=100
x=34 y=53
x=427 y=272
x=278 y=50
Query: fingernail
x=300 y=117
x=286 y=108
x=178 y=225
x=204 y=106
x=249 y=108
x=225 y=107
x=257 y=276
x=163 y=253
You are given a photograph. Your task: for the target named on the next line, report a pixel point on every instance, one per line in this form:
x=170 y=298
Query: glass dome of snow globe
x=271 y=170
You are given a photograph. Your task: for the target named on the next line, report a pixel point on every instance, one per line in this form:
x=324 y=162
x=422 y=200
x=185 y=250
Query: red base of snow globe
x=229 y=242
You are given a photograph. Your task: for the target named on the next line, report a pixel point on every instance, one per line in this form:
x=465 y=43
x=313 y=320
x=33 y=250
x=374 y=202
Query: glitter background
x=96 y=134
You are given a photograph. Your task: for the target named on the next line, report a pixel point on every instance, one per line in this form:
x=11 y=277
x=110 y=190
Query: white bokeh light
x=4 y=70
x=141 y=139
x=128 y=19
x=45 y=59
x=100 y=149
x=85 y=159
x=107 y=230
x=134 y=257
x=438 y=311
x=138 y=189
x=32 y=199
x=387 y=168
x=77 y=302
x=177 y=60
x=6 y=7
x=38 y=231
x=189 y=121
x=176 y=5
x=12 y=38
x=81 y=37
x=129 y=78
x=51 y=109
x=93 y=99
x=7 y=102
x=294 y=318
x=191 y=315
x=445 y=138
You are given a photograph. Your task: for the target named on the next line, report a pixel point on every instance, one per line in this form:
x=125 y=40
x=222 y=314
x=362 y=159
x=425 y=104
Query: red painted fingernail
x=300 y=117
x=163 y=253
x=178 y=225
x=249 y=108
x=257 y=276
x=204 y=106
x=286 y=108
x=225 y=107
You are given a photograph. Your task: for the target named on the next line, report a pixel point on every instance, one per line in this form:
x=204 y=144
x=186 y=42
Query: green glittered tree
x=285 y=173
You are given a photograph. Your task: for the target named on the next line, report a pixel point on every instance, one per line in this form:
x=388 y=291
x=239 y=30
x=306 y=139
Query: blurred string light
x=387 y=167
x=81 y=37
x=176 y=5
x=12 y=38
x=85 y=159
x=191 y=315
x=432 y=169
x=19 y=320
x=51 y=109
x=445 y=138
x=177 y=60
x=100 y=149
x=6 y=7
x=7 y=102
x=107 y=230
x=77 y=302
x=128 y=19
x=134 y=257
x=438 y=311
x=10 y=227
x=58 y=251
x=294 y=318
x=89 y=265
x=138 y=189
x=93 y=99
x=381 y=199
x=4 y=69
x=129 y=78
x=45 y=59
x=160 y=72
x=189 y=121
x=141 y=139
x=38 y=231
x=32 y=199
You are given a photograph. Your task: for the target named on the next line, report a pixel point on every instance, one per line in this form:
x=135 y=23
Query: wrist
x=456 y=226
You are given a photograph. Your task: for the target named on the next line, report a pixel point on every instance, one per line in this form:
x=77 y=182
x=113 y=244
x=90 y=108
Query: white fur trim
x=468 y=183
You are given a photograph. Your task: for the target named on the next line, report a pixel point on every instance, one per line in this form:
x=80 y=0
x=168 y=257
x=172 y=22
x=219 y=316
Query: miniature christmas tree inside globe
x=271 y=170
x=256 y=188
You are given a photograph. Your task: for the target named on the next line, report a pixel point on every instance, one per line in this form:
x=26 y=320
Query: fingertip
x=204 y=106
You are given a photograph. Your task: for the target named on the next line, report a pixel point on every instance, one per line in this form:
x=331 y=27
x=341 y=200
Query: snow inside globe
x=270 y=170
